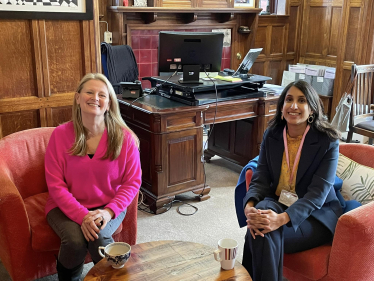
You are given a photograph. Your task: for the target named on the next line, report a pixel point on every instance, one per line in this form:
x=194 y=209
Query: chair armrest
x=129 y=224
x=15 y=231
x=353 y=248
x=248 y=178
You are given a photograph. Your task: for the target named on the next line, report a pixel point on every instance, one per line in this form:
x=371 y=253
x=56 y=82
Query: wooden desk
x=169 y=261
x=171 y=141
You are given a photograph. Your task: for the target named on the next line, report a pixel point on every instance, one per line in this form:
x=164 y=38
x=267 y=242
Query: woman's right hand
x=90 y=225
x=255 y=220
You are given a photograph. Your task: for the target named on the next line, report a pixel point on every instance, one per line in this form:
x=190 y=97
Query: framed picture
x=243 y=3
x=47 y=9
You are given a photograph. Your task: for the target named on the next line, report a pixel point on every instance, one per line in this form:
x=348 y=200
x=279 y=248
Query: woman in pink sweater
x=93 y=173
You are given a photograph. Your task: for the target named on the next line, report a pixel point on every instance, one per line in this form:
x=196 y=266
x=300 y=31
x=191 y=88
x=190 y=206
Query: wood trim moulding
x=149 y=14
x=29 y=103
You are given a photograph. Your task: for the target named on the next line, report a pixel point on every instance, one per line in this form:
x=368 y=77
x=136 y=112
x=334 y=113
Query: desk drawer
x=226 y=113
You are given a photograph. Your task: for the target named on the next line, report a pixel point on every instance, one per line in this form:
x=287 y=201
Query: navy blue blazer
x=314 y=180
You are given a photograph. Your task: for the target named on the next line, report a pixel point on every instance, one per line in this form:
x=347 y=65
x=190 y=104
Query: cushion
x=358 y=180
x=43 y=237
x=367 y=125
x=312 y=264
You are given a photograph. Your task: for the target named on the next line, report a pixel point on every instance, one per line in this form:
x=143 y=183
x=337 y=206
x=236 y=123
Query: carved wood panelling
x=293 y=29
x=319 y=36
x=17 y=61
x=355 y=42
x=41 y=64
x=180 y=148
x=276 y=71
x=62 y=55
x=352 y=33
x=334 y=30
x=278 y=37
x=18 y=121
x=174 y=3
x=216 y=3
x=272 y=36
x=58 y=115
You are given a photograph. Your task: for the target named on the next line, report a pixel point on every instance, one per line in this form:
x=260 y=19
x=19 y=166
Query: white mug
x=226 y=253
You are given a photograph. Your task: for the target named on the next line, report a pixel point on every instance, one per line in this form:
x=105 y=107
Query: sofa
x=350 y=255
x=28 y=245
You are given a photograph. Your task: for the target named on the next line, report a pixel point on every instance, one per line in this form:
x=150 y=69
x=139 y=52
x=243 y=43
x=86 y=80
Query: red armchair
x=28 y=244
x=350 y=257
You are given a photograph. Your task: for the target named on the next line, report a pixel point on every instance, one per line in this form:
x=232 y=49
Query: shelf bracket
x=224 y=17
x=190 y=17
x=149 y=17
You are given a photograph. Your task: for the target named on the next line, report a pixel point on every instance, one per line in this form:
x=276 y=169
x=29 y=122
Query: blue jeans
x=74 y=246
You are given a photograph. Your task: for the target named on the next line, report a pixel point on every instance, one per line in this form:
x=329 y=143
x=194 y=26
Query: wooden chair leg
x=349 y=136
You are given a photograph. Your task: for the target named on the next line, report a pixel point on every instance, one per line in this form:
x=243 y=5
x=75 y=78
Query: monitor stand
x=191 y=74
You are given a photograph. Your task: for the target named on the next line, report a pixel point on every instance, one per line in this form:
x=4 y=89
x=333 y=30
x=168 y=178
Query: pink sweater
x=77 y=183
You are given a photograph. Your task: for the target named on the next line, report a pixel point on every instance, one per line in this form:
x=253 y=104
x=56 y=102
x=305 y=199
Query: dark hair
x=320 y=121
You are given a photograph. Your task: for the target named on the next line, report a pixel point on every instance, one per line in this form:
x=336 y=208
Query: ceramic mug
x=226 y=253
x=116 y=253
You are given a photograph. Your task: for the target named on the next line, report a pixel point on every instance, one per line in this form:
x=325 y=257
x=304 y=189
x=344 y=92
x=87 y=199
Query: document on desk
x=228 y=78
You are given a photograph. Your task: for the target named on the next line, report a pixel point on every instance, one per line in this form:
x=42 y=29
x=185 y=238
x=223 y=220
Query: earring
x=311 y=118
x=282 y=115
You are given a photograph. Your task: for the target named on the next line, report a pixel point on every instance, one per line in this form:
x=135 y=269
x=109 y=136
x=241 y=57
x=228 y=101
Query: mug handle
x=217 y=256
x=99 y=250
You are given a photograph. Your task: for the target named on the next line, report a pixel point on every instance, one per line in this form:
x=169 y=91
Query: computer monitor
x=195 y=50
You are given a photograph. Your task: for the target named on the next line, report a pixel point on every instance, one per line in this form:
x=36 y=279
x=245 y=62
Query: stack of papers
x=272 y=89
x=228 y=78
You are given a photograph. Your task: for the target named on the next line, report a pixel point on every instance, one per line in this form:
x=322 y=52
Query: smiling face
x=295 y=108
x=93 y=99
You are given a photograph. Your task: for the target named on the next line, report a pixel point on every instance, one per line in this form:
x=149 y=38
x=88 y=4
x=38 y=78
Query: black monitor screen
x=177 y=49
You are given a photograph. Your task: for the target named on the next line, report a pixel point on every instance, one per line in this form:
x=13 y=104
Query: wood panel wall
x=335 y=33
x=278 y=51
x=41 y=63
x=279 y=36
x=355 y=41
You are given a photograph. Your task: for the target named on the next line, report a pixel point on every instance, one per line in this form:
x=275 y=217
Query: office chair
x=119 y=64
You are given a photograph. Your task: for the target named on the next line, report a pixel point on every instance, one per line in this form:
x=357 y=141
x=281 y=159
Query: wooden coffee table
x=167 y=261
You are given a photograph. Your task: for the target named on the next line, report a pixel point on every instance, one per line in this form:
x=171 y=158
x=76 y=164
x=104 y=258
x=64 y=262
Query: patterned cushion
x=358 y=180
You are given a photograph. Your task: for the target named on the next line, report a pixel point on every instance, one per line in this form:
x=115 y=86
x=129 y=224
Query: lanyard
x=298 y=151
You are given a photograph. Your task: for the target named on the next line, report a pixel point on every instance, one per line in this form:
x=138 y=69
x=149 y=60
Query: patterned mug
x=226 y=253
x=116 y=253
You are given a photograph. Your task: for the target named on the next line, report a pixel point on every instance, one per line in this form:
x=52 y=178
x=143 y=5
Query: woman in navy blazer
x=274 y=228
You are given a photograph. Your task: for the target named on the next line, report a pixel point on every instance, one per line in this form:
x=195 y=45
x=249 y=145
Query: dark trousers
x=74 y=246
x=263 y=256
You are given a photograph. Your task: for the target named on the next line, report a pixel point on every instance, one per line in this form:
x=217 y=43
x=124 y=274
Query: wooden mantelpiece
x=122 y=9
x=149 y=14
x=123 y=21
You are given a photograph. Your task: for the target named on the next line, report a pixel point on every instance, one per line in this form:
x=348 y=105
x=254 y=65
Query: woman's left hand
x=275 y=220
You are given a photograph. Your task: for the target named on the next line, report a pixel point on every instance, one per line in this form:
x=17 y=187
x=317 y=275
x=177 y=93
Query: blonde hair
x=113 y=122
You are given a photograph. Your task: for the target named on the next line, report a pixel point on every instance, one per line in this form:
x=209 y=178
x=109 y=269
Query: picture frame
x=46 y=9
x=244 y=3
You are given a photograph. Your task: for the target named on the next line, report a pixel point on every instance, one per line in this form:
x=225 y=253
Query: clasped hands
x=94 y=221
x=260 y=222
